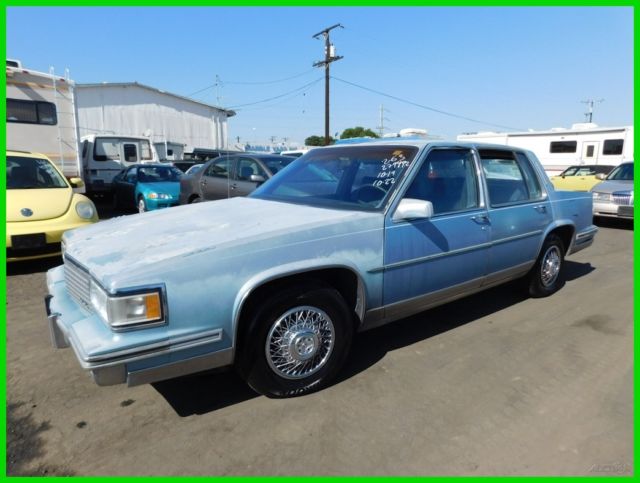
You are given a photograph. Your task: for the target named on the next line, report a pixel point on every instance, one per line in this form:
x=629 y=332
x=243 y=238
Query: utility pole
x=217 y=84
x=329 y=56
x=382 y=119
x=590 y=102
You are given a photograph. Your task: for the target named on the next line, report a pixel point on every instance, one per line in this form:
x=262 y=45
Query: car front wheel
x=142 y=206
x=297 y=342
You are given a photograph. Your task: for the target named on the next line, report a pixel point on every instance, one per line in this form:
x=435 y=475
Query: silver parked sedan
x=230 y=176
x=614 y=196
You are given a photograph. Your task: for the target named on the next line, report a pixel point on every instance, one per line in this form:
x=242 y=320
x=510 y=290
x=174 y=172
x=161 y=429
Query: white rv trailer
x=559 y=148
x=105 y=155
x=41 y=116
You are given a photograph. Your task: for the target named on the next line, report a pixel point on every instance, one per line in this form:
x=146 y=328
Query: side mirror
x=412 y=209
x=257 y=178
x=601 y=176
x=76 y=182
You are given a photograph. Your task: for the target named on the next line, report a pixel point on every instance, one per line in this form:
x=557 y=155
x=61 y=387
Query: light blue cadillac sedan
x=344 y=239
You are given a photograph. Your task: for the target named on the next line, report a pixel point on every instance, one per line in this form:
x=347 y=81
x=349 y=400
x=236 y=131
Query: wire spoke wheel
x=300 y=342
x=550 y=266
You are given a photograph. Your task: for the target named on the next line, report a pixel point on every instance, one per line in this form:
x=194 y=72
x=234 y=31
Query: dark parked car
x=146 y=187
x=230 y=176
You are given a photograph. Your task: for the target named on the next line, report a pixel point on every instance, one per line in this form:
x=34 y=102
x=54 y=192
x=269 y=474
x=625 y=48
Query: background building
x=130 y=108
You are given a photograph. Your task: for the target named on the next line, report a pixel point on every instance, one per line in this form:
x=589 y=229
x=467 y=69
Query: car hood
x=223 y=228
x=44 y=204
x=168 y=187
x=611 y=186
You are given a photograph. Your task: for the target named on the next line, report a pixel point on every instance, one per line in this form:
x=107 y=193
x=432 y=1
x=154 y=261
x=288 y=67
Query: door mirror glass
x=412 y=209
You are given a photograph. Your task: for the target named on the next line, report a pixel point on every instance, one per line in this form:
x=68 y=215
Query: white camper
x=104 y=156
x=41 y=116
x=559 y=148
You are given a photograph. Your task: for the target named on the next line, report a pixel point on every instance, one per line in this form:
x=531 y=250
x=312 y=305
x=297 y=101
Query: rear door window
x=510 y=178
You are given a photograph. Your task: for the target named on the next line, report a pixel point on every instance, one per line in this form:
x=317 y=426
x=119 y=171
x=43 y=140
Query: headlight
x=158 y=196
x=123 y=311
x=601 y=196
x=85 y=210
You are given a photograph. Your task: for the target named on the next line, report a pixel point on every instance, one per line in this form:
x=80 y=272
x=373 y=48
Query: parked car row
x=148 y=187
x=35 y=223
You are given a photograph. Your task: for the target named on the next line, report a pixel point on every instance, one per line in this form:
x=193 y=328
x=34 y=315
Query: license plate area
x=36 y=240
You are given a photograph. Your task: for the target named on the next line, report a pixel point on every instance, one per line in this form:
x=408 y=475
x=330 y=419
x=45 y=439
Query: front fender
x=289 y=269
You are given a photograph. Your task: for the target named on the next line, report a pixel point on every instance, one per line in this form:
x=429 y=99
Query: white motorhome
x=105 y=155
x=559 y=148
x=41 y=116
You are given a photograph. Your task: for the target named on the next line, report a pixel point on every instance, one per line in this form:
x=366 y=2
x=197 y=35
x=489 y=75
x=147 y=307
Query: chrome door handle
x=481 y=219
x=540 y=208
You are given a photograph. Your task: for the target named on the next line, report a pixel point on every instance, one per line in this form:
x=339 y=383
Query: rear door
x=519 y=212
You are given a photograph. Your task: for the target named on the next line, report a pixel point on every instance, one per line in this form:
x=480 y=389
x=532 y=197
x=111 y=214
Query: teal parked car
x=146 y=187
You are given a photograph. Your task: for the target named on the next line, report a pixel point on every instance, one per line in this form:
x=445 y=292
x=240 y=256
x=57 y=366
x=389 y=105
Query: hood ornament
x=26 y=212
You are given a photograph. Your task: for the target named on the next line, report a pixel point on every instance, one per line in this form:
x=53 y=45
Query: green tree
x=317 y=141
x=357 y=132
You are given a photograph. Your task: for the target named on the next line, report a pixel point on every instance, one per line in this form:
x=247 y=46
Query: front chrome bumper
x=142 y=364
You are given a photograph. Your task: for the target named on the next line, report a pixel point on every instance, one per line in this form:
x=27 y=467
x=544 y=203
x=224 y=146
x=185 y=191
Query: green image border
x=299 y=3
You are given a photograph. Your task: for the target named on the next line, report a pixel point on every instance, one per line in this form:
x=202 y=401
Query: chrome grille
x=622 y=199
x=78 y=283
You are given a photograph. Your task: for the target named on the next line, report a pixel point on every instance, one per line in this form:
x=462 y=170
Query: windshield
x=153 y=174
x=30 y=173
x=275 y=164
x=360 y=177
x=623 y=172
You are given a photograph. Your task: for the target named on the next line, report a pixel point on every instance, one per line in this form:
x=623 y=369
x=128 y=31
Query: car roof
x=26 y=154
x=421 y=143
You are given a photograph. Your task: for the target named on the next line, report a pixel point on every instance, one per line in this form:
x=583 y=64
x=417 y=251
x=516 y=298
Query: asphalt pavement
x=493 y=384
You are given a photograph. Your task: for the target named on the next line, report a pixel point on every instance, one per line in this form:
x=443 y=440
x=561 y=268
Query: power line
x=428 y=108
x=284 y=99
x=218 y=82
x=278 y=96
x=270 y=82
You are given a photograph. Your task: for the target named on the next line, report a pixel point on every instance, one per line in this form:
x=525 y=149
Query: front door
x=215 y=182
x=430 y=260
x=243 y=185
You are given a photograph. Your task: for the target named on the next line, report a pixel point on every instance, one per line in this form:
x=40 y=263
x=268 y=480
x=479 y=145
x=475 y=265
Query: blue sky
x=516 y=67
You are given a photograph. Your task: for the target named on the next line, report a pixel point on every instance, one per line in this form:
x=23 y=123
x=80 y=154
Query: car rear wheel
x=546 y=278
x=142 y=206
x=195 y=199
x=296 y=342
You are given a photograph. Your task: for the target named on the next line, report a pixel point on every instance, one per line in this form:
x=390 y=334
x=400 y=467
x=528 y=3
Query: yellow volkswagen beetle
x=41 y=206
x=581 y=177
